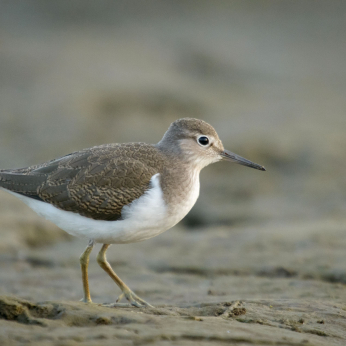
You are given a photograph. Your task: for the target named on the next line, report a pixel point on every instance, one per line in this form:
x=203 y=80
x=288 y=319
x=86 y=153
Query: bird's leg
x=126 y=292
x=84 y=262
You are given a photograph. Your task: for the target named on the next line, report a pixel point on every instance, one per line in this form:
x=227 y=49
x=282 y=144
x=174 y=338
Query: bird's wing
x=96 y=182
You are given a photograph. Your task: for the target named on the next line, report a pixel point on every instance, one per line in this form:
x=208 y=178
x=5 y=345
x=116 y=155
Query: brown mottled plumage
x=96 y=182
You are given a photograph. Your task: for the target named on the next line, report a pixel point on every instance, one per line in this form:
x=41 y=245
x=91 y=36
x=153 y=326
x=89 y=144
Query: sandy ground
x=260 y=259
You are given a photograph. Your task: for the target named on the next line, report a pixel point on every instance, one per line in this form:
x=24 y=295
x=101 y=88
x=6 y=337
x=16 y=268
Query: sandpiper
x=122 y=193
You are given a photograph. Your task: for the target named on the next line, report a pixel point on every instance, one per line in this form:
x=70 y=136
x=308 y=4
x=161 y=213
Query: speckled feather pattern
x=96 y=182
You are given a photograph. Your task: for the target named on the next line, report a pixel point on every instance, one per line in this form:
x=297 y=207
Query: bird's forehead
x=194 y=126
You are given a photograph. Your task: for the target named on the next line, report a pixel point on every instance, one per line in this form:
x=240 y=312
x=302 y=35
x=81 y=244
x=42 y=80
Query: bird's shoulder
x=105 y=164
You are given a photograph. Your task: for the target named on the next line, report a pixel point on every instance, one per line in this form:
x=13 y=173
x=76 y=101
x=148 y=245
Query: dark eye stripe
x=203 y=140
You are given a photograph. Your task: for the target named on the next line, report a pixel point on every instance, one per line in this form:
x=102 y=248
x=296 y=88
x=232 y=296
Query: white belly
x=144 y=218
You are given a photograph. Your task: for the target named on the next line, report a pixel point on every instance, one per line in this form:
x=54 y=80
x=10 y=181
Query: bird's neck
x=178 y=182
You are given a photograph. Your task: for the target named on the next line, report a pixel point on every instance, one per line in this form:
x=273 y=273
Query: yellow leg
x=126 y=292
x=84 y=263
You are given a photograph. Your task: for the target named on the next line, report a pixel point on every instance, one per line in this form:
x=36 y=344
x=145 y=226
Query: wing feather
x=96 y=182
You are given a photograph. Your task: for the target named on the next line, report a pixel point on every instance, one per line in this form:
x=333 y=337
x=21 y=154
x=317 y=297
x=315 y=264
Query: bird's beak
x=229 y=156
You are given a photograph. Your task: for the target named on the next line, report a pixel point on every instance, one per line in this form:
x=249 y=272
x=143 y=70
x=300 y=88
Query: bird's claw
x=133 y=299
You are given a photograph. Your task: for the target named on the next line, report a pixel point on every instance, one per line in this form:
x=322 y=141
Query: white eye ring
x=203 y=141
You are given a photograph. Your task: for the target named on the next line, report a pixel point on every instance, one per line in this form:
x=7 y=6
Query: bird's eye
x=203 y=140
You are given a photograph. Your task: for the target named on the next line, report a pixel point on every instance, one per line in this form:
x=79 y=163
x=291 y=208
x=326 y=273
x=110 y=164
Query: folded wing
x=96 y=183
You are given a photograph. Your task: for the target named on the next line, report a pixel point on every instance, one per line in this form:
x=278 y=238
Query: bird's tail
x=20 y=183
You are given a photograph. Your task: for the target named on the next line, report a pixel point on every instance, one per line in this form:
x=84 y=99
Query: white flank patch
x=144 y=218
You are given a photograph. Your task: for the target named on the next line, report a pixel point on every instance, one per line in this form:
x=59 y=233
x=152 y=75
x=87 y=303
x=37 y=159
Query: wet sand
x=244 y=285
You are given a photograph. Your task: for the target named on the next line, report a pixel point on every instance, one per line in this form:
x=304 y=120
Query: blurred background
x=270 y=76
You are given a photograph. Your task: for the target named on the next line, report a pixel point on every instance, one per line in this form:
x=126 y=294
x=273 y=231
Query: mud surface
x=260 y=260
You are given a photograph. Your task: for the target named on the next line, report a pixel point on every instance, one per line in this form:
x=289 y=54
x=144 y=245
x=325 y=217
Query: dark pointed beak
x=229 y=156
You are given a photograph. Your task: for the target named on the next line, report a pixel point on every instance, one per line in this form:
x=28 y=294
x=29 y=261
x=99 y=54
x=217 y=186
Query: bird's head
x=197 y=143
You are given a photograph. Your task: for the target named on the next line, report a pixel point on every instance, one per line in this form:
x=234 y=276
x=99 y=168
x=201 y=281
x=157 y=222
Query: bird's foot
x=86 y=300
x=133 y=299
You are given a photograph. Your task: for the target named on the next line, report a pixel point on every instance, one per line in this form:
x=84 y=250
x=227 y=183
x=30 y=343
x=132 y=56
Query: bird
x=122 y=192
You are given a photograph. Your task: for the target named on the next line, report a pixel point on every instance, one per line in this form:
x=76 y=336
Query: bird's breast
x=182 y=196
